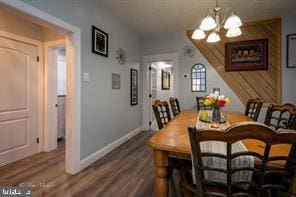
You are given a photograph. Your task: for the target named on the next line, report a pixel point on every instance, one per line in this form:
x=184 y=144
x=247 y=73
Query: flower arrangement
x=216 y=101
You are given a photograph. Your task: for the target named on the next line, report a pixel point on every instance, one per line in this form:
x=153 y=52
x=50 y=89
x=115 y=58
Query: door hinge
x=37 y=140
x=150 y=96
x=150 y=123
x=37 y=58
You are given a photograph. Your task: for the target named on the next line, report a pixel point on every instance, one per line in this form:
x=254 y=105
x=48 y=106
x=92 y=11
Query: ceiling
x=149 y=17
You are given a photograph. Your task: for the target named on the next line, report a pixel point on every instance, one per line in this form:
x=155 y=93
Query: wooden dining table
x=173 y=141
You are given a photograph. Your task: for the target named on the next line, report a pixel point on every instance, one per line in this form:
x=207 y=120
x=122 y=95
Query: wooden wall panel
x=263 y=84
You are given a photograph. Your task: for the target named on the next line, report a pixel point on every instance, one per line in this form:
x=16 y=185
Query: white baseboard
x=102 y=152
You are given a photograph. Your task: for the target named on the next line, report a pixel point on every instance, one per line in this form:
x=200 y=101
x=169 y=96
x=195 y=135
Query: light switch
x=86 y=77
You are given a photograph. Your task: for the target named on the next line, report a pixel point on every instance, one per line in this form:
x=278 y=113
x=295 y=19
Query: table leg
x=161 y=172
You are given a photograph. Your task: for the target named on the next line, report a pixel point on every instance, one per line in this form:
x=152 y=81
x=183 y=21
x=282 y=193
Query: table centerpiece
x=216 y=101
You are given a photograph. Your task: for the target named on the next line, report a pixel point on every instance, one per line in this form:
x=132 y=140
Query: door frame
x=174 y=57
x=40 y=71
x=73 y=100
x=50 y=92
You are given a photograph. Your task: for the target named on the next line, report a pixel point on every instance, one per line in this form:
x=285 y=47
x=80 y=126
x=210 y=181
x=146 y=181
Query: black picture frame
x=216 y=89
x=99 y=42
x=134 y=87
x=291 y=50
x=246 y=55
x=165 y=80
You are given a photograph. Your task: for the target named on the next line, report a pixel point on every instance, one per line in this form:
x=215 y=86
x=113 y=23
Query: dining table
x=173 y=141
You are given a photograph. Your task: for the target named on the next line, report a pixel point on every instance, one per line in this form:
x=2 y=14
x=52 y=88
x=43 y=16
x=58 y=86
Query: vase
x=216 y=115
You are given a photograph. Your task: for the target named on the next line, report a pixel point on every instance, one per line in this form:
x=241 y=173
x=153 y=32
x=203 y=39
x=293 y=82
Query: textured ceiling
x=148 y=17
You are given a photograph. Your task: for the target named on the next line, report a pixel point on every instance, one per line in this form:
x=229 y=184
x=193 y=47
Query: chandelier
x=214 y=21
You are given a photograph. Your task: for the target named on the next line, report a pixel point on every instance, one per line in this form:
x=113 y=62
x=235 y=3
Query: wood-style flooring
x=126 y=171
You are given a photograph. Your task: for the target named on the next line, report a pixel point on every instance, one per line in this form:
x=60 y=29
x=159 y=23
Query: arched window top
x=198 y=78
x=198 y=68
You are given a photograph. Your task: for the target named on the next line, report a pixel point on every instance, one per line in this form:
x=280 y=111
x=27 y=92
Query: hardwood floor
x=126 y=171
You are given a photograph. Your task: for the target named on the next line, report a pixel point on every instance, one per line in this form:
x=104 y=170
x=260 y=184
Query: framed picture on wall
x=291 y=50
x=165 y=79
x=115 y=81
x=134 y=87
x=246 y=55
x=99 y=42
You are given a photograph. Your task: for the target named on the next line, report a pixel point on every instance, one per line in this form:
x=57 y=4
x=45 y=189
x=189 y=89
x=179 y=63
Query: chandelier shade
x=233 y=32
x=233 y=22
x=198 y=34
x=208 y=23
x=214 y=21
x=213 y=37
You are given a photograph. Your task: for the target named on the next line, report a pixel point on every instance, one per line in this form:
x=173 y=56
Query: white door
x=153 y=97
x=18 y=100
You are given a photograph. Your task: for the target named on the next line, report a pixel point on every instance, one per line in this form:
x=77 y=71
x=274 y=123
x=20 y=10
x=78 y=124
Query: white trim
x=40 y=85
x=73 y=101
x=102 y=152
x=146 y=81
x=50 y=94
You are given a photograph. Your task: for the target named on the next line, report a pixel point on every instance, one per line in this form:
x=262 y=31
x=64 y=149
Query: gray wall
x=288 y=74
x=106 y=113
x=175 y=42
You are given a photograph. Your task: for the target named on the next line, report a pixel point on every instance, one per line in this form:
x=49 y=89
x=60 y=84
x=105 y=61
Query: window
x=198 y=78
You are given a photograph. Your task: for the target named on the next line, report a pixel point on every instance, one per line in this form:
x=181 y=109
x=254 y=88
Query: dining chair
x=265 y=181
x=201 y=105
x=175 y=106
x=253 y=108
x=162 y=113
x=281 y=116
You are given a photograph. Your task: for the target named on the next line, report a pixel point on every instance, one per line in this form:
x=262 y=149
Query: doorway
x=168 y=62
x=55 y=89
x=161 y=79
x=73 y=101
x=61 y=94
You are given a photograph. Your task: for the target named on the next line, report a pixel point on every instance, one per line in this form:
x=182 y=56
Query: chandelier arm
x=224 y=10
x=227 y=10
x=210 y=12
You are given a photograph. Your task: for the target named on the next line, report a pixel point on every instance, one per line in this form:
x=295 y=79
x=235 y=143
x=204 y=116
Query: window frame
x=205 y=78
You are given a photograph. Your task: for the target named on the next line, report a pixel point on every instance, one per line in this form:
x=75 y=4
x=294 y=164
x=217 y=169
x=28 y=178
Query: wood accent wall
x=263 y=84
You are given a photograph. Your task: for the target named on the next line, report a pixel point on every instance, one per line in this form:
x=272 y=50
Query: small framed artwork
x=115 y=81
x=291 y=51
x=99 y=42
x=165 y=79
x=216 y=90
x=246 y=55
x=134 y=87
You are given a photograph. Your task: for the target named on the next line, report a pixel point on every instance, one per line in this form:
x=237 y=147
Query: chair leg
x=172 y=187
x=185 y=192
